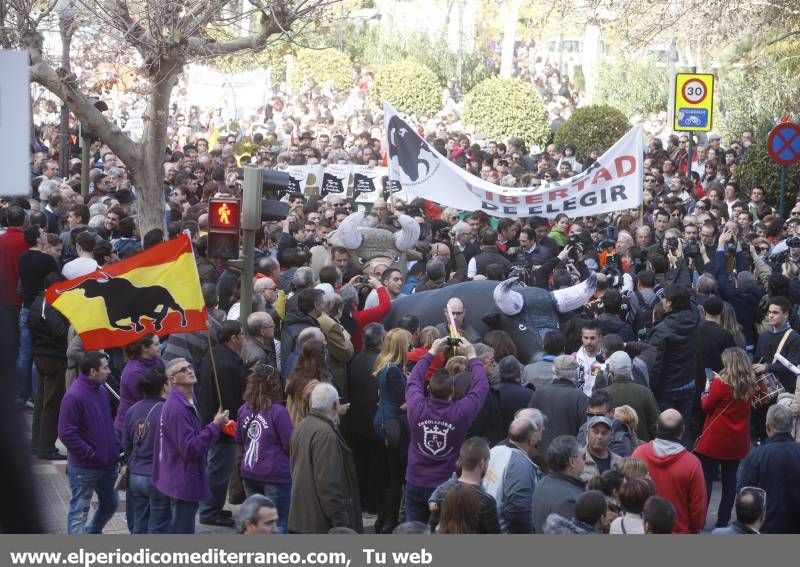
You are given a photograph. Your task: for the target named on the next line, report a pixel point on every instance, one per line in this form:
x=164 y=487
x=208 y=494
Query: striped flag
x=155 y=291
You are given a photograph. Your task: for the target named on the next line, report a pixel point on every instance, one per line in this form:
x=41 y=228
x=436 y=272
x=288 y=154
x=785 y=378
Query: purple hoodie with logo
x=439 y=427
x=264 y=437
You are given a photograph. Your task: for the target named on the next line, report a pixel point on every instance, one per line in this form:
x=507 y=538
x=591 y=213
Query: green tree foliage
x=597 y=126
x=633 y=86
x=757 y=168
x=323 y=65
x=409 y=86
x=369 y=48
x=753 y=99
x=501 y=108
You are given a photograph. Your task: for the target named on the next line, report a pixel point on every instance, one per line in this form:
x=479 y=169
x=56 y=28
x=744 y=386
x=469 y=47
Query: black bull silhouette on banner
x=124 y=300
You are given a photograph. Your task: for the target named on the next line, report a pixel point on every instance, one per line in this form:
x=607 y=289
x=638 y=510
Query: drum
x=766 y=391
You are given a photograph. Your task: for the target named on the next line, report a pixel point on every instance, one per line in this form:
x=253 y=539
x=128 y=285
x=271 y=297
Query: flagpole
x=214 y=367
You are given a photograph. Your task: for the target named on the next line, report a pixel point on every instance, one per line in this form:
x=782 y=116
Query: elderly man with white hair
x=325 y=486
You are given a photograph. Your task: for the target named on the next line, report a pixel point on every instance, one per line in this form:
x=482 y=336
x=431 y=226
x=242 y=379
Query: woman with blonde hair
x=725 y=440
x=632 y=468
x=628 y=416
x=390 y=421
x=311 y=369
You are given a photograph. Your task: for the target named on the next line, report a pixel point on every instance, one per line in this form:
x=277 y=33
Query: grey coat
x=556 y=493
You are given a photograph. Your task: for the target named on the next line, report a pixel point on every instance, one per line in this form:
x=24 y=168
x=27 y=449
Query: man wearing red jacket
x=676 y=472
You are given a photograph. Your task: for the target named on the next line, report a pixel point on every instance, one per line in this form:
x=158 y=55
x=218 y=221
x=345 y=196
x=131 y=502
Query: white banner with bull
x=612 y=183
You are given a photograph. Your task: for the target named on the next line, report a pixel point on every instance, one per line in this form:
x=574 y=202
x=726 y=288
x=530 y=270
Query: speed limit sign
x=694 y=91
x=694 y=102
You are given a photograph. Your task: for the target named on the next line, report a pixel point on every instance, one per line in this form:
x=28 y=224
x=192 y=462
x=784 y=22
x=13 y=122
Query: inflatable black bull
x=525 y=313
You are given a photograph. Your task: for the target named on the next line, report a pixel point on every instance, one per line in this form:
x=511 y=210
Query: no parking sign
x=694 y=100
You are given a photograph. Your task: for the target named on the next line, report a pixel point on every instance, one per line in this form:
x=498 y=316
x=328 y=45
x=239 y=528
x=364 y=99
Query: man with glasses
x=181 y=445
x=774 y=467
x=456 y=307
x=558 y=491
x=259 y=344
x=222 y=384
x=751 y=506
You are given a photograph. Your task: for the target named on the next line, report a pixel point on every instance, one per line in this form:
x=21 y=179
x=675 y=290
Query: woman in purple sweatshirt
x=264 y=429
x=143 y=356
x=438 y=426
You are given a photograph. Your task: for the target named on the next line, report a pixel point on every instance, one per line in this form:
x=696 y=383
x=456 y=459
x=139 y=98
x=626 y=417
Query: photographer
x=571 y=259
x=671 y=248
x=742 y=292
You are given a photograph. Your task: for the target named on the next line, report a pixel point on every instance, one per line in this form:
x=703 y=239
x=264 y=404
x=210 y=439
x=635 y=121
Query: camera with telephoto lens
x=793 y=242
x=692 y=248
x=730 y=247
x=574 y=239
x=672 y=243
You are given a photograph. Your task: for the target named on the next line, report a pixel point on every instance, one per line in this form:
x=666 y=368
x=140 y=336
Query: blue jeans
x=83 y=483
x=281 y=494
x=26 y=373
x=220 y=466
x=150 y=510
x=417 y=503
x=182 y=516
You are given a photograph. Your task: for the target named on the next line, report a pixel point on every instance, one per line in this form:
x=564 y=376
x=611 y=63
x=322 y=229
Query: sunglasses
x=183 y=369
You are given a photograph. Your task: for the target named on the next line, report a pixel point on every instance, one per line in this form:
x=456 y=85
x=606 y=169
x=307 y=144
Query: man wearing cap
x=598 y=458
x=625 y=392
x=562 y=402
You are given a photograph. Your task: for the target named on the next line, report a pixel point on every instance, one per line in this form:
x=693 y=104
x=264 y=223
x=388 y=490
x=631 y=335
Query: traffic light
x=223 y=228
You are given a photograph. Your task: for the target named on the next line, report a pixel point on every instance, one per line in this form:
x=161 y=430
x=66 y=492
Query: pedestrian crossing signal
x=223 y=228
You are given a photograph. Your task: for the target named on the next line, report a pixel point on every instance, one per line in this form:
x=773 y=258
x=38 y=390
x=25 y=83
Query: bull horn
x=508 y=301
x=408 y=235
x=348 y=232
x=105 y=278
x=575 y=296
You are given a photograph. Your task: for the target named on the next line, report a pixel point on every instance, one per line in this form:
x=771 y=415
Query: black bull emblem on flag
x=124 y=300
x=407 y=147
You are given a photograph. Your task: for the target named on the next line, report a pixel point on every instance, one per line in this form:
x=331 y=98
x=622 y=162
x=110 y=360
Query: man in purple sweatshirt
x=87 y=431
x=438 y=426
x=179 y=456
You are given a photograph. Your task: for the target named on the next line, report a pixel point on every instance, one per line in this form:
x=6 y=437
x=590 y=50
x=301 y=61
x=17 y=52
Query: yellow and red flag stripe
x=155 y=291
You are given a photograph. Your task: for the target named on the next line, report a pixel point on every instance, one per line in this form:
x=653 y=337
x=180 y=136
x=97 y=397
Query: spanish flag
x=156 y=291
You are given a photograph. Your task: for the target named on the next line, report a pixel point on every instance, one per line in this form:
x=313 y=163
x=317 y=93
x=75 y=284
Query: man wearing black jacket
x=672 y=379
x=49 y=347
x=228 y=371
x=489 y=255
x=769 y=344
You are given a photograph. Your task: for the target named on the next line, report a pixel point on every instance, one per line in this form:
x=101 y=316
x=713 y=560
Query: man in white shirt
x=85 y=262
x=587 y=356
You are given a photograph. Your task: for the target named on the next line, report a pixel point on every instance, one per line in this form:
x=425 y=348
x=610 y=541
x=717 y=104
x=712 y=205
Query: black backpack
x=643 y=317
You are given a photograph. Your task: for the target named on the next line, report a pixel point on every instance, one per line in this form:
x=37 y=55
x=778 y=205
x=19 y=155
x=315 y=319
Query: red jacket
x=726 y=433
x=12 y=245
x=373 y=315
x=679 y=478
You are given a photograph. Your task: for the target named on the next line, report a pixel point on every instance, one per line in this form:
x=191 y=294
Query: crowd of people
x=679 y=371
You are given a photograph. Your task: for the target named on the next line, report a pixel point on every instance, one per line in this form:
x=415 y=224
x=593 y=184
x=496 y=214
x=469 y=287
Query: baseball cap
x=594 y=420
x=619 y=363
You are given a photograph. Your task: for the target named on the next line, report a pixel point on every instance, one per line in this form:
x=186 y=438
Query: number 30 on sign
x=694 y=102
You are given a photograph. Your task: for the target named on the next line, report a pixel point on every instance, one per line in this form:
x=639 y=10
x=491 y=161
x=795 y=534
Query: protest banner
x=612 y=183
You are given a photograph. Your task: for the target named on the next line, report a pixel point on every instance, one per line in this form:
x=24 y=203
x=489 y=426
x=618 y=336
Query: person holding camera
x=438 y=425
